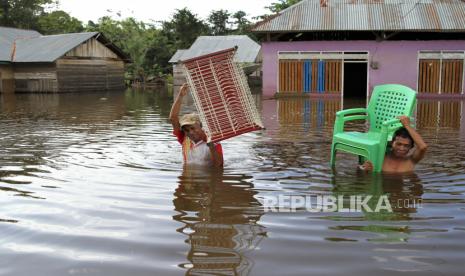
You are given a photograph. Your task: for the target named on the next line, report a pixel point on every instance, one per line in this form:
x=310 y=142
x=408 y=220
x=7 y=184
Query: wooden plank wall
x=75 y=75
x=451 y=76
x=35 y=77
x=92 y=48
x=291 y=76
x=445 y=77
x=428 y=76
x=314 y=75
x=333 y=76
x=115 y=75
x=90 y=67
x=7 y=82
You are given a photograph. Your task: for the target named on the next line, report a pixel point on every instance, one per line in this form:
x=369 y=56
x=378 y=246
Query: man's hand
x=367 y=166
x=404 y=120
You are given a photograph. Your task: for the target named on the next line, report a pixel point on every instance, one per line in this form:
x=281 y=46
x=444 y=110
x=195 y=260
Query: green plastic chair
x=387 y=102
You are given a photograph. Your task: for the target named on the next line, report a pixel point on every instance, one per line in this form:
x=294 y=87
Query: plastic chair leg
x=333 y=155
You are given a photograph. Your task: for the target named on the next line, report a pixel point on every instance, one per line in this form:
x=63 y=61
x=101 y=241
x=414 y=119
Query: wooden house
x=77 y=62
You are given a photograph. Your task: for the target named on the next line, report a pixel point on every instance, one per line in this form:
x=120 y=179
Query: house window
x=441 y=72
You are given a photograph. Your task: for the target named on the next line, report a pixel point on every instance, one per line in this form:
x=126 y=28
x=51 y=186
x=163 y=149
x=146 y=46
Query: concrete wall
x=397 y=60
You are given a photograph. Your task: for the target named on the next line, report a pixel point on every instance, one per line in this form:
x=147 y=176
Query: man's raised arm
x=174 y=114
x=420 y=145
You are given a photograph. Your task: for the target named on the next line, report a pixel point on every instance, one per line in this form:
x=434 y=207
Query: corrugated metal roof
x=48 y=48
x=7 y=38
x=247 y=50
x=17 y=45
x=177 y=56
x=369 y=15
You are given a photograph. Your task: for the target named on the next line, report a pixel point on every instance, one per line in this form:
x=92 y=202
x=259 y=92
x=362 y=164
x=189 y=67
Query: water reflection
x=403 y=191
x=440 y=114
x=220 y=216
x=399 y=198
x=309 y=113
x=88 y=182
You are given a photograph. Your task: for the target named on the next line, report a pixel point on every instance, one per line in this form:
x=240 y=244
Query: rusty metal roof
x=369 y=15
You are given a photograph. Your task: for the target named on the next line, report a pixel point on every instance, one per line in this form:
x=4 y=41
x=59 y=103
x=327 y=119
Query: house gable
x=91 y=48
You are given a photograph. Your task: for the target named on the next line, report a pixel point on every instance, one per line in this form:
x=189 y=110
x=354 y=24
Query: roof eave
x=105 y=41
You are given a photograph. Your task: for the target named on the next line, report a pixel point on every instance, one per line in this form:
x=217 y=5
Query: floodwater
x=93 y=184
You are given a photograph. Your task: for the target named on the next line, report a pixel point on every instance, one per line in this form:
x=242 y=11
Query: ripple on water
x=93 y=183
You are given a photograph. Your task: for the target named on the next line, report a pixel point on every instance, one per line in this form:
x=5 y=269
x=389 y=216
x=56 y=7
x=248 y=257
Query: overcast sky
x=157 y=10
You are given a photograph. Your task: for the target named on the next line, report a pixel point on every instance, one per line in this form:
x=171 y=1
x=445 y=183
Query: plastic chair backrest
x=389 y=101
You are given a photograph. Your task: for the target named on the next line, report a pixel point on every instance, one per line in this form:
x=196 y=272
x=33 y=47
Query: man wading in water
x=398 y=160
x=188 y=130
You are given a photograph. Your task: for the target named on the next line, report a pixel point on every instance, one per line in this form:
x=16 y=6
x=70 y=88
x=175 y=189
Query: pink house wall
x=397 y=60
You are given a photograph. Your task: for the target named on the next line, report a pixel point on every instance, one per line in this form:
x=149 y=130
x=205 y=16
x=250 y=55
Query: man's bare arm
x=174 y=114
x=420 y=145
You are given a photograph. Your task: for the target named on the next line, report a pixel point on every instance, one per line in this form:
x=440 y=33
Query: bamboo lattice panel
x=221 y=95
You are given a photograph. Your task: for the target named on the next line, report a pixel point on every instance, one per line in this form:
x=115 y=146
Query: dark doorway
x=355 y=80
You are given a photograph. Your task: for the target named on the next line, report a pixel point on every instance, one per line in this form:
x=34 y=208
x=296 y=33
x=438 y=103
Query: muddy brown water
x=93 y=184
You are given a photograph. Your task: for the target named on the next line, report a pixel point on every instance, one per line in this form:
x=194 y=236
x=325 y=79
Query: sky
x=157 y=10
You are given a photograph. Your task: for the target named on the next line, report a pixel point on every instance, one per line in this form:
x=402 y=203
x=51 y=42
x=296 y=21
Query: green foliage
x=281 y=5
x=22 y=14
x=241 y=22
x=158 y=54
x=131 y=36
x=184 y=28
x=219 y=22
x=58 y=22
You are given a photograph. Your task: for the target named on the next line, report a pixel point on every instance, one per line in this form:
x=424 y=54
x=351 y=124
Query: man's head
x=192 y=127
x=402 y=142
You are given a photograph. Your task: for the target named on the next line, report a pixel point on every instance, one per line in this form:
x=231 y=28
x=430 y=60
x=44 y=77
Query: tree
x=183 y=29
x=158 y=54
x=218 y=22
x=22 y=13
x=132 y=36
x=58 y=22
x=241 y=22
x=108 y=26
